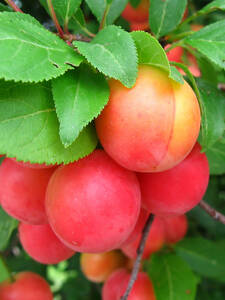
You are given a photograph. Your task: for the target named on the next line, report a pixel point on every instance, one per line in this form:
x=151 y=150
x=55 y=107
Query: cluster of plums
x=151 y=163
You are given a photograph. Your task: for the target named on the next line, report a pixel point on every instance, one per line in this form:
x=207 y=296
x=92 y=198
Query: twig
x=76 y=37
x=212 y=212
x=137 y=262
x=13 y=5
x=54 y=18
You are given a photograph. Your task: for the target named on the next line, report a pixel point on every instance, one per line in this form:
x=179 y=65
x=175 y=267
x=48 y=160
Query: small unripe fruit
x=97 y=267
x=175 y=228
x=40 y=242
x=154 y=243
x=136 y=14
x=178 y=190
x=93 y=204
x=27 y=286
x=22 y=191
x=115 y=287
x=152 y=126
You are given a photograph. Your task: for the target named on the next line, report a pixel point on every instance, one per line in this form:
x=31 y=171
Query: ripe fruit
x=151 y=127
x=143 y=216
x=176 y=191
x=97 y=267
x=136 y=14
x=175 y=54
x=115 y=287
x=27 y=286
x=22 y=191
x=175 y=228
x=93 y=204
x=40 y=242
x=153 y=244
x=30 y=165
x=139 y=26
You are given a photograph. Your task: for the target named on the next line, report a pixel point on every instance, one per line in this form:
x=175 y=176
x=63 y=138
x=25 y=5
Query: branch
x=54 y=18
x=137 y=262
x=212 y=212
x=13 y=5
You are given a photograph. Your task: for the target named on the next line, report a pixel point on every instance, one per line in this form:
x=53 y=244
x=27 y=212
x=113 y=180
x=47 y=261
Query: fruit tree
x=112 y=150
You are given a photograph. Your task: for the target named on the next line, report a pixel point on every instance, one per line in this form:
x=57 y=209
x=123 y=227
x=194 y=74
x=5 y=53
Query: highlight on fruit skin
x=40 y=242
x=98 y=199
x=115 y=287
x=151 y=127
x=97 y=267
x=178 y=190
x=27 y=286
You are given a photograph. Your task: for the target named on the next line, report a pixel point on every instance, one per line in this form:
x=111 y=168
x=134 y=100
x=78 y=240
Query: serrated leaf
x=164 y=16
x=113 y=53
x=172 y=278
x=7 y=225
x=79 y=97
x=25 y=17
x=176 y=75
x=64 y=9
x=28 y=117
x=216 y=157
x=213 y=114
x=150 y=51
x=30 y=53
x=217 y=4
x=210 y=41
x=5 y=7
x=203 y=256
x=4 y=272
x=98 y=8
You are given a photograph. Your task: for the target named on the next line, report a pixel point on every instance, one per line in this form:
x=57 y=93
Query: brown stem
x=76 y=37
x=137 y=262
x=13 y=5
x=103 y=21
x=54 y=18
x=212 y=212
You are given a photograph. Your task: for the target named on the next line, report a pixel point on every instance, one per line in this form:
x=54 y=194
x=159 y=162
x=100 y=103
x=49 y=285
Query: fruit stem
x=212 y=212
x=103 y=21
x=13 y=5
x=137 y=262
x=54 y=18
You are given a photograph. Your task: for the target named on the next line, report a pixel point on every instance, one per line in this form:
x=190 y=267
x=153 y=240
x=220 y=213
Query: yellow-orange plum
x=151 y=127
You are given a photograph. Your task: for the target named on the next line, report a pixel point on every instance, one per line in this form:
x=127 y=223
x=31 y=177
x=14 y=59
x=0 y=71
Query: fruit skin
x=116 y=285
x=175 y=228
x=22 y=191
x=137 y=14
x=154 y=243
x=178 y=190
x=96 y=198
x=175 y=54
x=27 y=286
x=151 y=127
x=97 y=267
x=40 y=242
x=30 y=165
x=139 y=26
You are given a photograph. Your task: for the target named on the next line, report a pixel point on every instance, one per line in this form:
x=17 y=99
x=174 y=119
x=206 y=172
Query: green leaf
x=113 y=53
x=213 y=114
x=5 y=7
x=7 y=225
x=4 y=272
x=98 y=8
x=217 y=4
x=172 y=278
x=79 y=97
x=135 y=3
x=150 y=51
x=203 y=256
x=164 y=16
x=176 y=75
x=30 y=53
x=210 y=41
x=216 y=157
x=28 y=117
x=64 y=9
